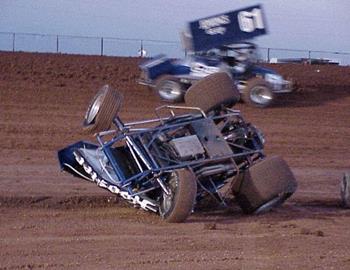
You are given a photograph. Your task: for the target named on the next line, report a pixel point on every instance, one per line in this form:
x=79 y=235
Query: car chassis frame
x=131 y=134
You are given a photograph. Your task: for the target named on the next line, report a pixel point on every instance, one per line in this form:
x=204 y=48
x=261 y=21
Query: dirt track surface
x=50 y=220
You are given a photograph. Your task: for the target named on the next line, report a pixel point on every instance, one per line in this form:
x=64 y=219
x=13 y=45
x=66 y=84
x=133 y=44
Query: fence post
x=141 y=48
x=309 y=57
x=13 y=41
x=57 y=44
x=101 y=46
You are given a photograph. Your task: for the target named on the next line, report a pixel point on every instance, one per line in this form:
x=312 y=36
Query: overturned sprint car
x=167 y=164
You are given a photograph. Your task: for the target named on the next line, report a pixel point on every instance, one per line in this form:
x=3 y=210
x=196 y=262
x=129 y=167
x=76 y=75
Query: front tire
x=178 y=205
x=258 y=93
x=102 y=110
x=170 y=89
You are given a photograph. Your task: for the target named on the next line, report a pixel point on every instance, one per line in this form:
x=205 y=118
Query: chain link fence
x=29 y=42
x=280 y=55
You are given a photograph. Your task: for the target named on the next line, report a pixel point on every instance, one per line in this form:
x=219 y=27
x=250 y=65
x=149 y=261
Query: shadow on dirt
x=315 y=209
x=313 y=96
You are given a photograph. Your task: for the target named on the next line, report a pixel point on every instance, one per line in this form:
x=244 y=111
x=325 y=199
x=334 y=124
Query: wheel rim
x=261 y=95
x=170 y=90
x=271 y=204
x=168 y=199
x=95 y=107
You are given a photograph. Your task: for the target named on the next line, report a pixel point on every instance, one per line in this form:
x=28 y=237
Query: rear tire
x=212 y=91
x=102 y=110
x=258 y=93
x=170 y=89
x=265 y=185
x=178 y=205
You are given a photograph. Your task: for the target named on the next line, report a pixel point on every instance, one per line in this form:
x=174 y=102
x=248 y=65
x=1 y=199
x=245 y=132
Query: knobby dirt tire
x=212 y=91
x=109 y=104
